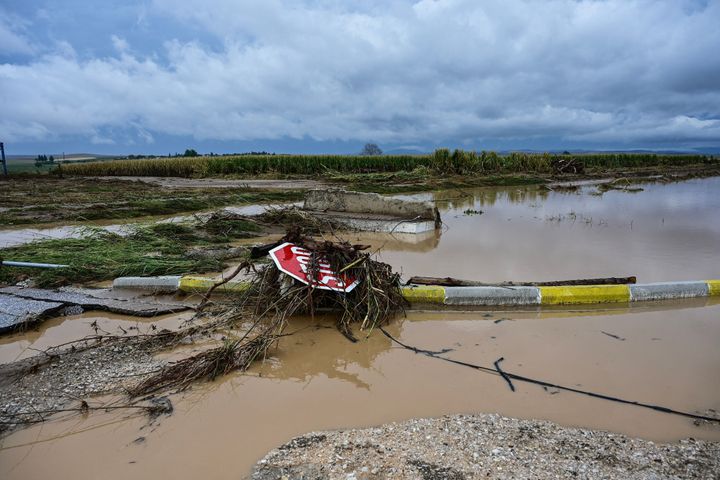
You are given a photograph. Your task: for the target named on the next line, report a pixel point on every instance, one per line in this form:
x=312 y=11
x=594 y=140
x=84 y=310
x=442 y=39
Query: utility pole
x=4 y=162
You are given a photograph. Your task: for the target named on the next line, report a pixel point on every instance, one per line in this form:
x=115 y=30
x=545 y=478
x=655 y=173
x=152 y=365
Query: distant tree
x=190 y=153
x=371 y=149
x=51 y=159
x=566 y=152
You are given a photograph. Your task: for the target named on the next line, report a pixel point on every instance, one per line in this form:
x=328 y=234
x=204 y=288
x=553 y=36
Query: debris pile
x=294 y=217
x=564 y=165
x=252 y=325
x=339 y=277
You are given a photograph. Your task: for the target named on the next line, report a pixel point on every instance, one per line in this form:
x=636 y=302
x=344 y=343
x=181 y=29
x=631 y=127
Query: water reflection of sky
x=666 y=232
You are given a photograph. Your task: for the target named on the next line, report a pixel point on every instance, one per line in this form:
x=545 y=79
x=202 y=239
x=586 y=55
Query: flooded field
x=667 y=232
x=10 y=237
x=660 y=353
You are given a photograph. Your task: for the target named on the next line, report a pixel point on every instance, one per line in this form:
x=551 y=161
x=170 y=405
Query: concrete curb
x=668 y=290
x=568 y=295
x=169 y=283
x=203 y=284
x=480 y=296
x=492 y=296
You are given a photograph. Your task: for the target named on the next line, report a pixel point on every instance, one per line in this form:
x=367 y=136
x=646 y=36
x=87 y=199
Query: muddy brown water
x=665 y=353
x=60 y=330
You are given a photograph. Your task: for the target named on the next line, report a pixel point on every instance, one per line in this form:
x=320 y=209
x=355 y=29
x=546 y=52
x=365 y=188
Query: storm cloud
x=600 y=74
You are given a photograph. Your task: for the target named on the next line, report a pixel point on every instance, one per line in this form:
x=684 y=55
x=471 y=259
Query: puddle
x=661 y=353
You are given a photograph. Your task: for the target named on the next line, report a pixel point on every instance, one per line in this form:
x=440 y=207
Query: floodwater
x=668 y=232
x=60 y=330
x=660 y=353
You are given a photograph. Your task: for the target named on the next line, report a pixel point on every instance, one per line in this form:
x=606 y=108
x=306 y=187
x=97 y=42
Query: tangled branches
x=374 y=301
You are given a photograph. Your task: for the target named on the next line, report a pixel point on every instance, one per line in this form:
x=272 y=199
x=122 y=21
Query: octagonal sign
x=294 y=261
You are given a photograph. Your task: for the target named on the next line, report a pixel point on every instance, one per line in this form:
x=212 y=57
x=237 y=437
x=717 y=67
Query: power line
x=512 y=376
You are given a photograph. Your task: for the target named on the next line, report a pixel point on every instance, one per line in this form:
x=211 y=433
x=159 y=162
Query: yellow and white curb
x=468 y=296
x=566 y=295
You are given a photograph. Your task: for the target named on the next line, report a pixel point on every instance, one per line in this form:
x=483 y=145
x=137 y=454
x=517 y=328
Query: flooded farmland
x=664 y=353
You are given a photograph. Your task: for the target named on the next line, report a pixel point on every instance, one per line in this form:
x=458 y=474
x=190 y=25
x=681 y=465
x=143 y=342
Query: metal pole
x=4 y=162
x=8 y=263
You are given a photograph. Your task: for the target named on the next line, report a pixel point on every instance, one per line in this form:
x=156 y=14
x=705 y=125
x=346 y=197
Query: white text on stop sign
x=328 y=276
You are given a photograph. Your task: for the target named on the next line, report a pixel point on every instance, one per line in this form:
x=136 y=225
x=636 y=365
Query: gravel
x=485 y=446
x=65 y=380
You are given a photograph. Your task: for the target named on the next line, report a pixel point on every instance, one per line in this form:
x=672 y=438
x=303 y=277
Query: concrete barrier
x=338 y=200
x=167 y=283
x=478 y=296
x=569 y=295
x=583 y=294
x=669 y=290
x=203 y=284
x=492 y=296
x=424 y=294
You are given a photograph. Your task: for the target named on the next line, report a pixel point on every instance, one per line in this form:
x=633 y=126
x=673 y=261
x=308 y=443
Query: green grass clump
x=223 y=229
x=158 y=249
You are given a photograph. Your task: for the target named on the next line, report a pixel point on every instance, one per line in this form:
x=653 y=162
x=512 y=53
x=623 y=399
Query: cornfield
x=442 y=161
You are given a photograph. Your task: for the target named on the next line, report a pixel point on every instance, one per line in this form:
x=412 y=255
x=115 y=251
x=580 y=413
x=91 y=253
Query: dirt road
x=176 y=182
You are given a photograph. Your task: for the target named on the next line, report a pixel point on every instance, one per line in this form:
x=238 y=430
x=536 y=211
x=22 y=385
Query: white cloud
x=97 y=139
x=12 y=36
x=119 y=43
x=456 y=70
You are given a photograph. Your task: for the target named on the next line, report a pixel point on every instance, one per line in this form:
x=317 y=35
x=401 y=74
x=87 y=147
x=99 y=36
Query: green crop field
x=442 y=161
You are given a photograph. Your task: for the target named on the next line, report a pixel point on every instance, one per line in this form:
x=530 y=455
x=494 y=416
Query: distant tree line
x=41 y=160
x=191 y=152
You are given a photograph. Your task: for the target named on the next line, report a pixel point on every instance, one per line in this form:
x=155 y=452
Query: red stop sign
x=294 y=261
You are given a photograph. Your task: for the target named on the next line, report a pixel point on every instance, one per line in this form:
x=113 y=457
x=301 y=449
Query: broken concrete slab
x=373 y=212
x=20 y=306
x=339 y=200
x=16 y=312
x=99 y=299
x=379 y=223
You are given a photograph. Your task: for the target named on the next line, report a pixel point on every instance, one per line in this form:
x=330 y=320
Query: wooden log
x=455 y=282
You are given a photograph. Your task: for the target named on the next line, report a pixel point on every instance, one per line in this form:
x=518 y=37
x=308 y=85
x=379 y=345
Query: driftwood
x=567 y=165
x=455 y=282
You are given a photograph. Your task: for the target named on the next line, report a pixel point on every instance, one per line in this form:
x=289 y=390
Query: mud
x=270 y=184
x=662 y=353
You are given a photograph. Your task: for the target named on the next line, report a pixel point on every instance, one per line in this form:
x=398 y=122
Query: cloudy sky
x=159 y=76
